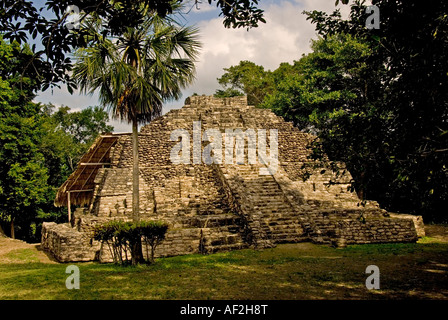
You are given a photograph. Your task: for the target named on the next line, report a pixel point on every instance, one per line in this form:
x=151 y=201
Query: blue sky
x=284 y=38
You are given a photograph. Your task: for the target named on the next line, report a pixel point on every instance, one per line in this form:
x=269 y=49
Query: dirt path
x=17 y=251
x=439 y=232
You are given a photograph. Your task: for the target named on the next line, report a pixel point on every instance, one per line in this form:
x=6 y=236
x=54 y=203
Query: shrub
x=120 y=237
x=153 y=232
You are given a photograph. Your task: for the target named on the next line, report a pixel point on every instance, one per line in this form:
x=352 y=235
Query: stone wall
x=211 y=208
x=67 y=244
x=359 y=231
x=184 y=236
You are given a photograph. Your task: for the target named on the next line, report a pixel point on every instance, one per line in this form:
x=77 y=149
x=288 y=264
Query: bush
x=153 y=232
x=121 y=237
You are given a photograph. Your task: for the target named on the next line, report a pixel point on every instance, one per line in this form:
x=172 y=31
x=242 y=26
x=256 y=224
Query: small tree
x=121 y=237
x=153 y=233
x=112 y=234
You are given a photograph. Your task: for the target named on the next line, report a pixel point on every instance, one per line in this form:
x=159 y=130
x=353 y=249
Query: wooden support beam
x=68 y=206
x=94 y=164
x=87 y=190
x=116 y=135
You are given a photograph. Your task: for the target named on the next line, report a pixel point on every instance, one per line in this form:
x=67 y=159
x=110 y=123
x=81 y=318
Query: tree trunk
x=136 y=250
x=137 y=253
x=13 y=234
x=361 y=188
x=135 y=174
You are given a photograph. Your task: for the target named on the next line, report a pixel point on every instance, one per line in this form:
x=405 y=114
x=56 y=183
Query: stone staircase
x=279 y=221
x=269 y=215
x=222 y=239
x=218 y=232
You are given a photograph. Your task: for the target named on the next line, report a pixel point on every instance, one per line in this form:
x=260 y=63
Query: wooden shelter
x=79 y=187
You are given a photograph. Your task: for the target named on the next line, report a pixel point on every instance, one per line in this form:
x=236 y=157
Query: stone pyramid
x=221 y=205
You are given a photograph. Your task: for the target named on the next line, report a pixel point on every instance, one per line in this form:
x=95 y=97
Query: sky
x=285 y=37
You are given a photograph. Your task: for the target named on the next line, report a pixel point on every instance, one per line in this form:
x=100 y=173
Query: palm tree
x=136 y=72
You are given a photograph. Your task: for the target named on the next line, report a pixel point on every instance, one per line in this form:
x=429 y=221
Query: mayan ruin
x=216 y=207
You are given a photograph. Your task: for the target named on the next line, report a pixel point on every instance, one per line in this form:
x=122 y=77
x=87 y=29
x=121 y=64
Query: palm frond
x=140 y=70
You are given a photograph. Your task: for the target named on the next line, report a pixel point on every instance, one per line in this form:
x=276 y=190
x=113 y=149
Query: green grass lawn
x=290 y=271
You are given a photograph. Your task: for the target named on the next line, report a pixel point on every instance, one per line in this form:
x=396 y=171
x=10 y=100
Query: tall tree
x=407 y=59
x=246 y=78
x=22 y=174
x=67 y=136
x=136 y=72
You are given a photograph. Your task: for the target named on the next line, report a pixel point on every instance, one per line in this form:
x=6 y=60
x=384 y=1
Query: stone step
x=271 y=206
x=223 y=241
x=270 y=199
x=288 y=238
x=281 y=221
x=283 y=225
x=266 y=190
x=213 y=221
x=263 y=189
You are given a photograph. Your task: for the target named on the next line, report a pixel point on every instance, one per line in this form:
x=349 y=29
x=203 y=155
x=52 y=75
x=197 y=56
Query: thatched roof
x=80 y=184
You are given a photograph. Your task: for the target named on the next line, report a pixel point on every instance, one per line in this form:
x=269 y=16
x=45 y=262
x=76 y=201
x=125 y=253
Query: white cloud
x=284 y=38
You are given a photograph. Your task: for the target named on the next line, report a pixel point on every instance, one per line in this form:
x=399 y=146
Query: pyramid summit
x=224 y=175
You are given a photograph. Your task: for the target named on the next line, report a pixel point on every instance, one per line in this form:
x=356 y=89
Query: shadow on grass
x=291 y=271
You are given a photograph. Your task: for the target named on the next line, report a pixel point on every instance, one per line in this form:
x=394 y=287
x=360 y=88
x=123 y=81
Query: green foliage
x=68 y=135
x=239 y=13
x=116 y=235
x=22 y=21
x=153 y=232
x=228 y=93
x=85 y=125
x=39 y=148
x=395 y=139
x=139 y=69
x=22 y=174
x=120 y=237
x=322 y=83
x=247 y=78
